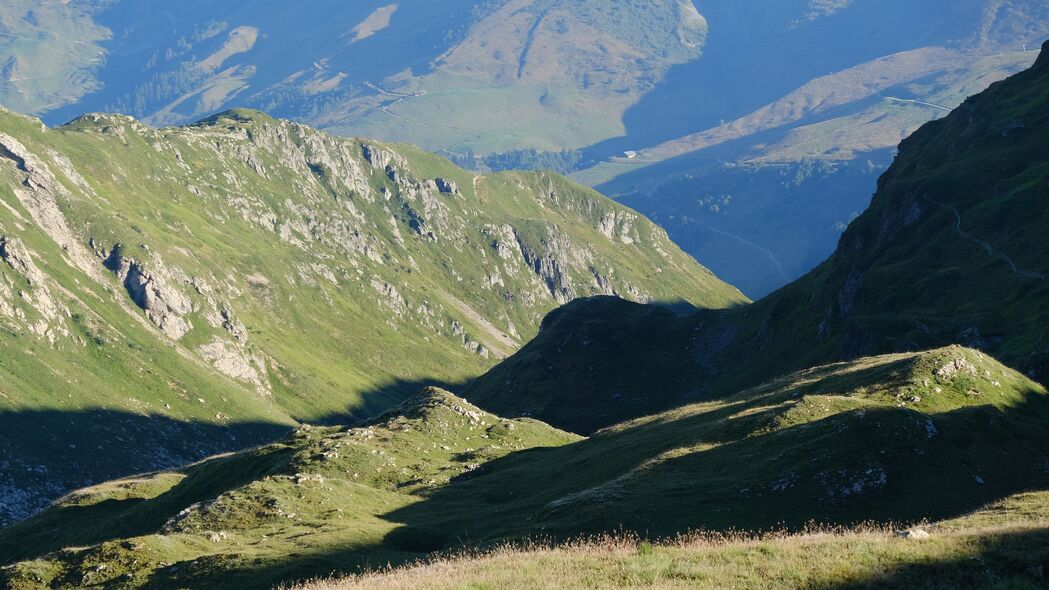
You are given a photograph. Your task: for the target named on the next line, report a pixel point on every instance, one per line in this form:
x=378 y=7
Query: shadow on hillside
x=47 y=453
x=885 y=465
x=393 y=393
x=729 y=474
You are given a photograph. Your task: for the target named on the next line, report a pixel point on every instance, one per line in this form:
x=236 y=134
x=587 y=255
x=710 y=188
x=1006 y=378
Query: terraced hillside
x=166 y=294
x=950 y=251
x=839 y=444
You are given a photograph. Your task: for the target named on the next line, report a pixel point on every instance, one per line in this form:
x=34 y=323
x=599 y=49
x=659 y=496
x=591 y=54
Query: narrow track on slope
x=988 y=248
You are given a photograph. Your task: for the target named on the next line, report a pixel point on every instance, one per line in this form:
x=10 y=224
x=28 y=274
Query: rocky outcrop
x=153 y=292
x=40 y=193
x=389 y=297
x=13 y=252
x=551 y=258
x=381 y=158
x=956 y=367
x=618 y=225
x=446 y=187
x=236 y=362
x=46 y=312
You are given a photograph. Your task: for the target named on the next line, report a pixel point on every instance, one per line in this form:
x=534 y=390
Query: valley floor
x=1005 y=545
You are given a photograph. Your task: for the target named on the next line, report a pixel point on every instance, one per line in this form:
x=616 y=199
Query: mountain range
x=166 y=294
x=898 y=382
x=759 y=132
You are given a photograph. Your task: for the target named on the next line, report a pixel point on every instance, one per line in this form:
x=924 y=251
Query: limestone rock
x=153 y=292
x=234 y=362
x=915 y=534
x=955 y=367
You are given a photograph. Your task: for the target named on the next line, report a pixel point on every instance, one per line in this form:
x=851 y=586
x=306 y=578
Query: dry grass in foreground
x=974 y=552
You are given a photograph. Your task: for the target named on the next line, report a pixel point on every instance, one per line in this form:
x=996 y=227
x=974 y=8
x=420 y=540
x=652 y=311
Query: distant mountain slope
x=167 y=293
x=950 y=251
x=794 y=119
x=837 y=444
x=493 y=75
x=764 y=198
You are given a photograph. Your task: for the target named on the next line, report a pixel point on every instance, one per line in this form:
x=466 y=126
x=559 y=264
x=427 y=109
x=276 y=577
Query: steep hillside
x=838 y=444
x=174 y=292
x=950 y=251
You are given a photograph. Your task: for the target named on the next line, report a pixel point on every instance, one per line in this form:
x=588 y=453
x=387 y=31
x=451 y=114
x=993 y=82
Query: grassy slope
x=1000 y=546
x=838 y=444
x=308 y=504
x=906 y=276
x=332 y=285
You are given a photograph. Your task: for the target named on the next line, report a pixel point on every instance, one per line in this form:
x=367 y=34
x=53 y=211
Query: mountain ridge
x=248 y=269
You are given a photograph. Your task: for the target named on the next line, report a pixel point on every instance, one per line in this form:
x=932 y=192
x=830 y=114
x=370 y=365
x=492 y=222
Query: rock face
x=234 y=362
x=14 y=254
x=164 y=305
x=29 y=300
x=245 y=272
x=447 y=187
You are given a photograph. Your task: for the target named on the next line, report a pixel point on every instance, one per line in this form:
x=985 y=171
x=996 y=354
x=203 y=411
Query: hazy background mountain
x=795 y=109
x=760 y=129
x=492 y=75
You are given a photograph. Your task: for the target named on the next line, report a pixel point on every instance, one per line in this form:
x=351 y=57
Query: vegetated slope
x=162 y=291
x=304 y=506
x=895 y=438
x=999 y=546
x=950 y=251
x=494 y=75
